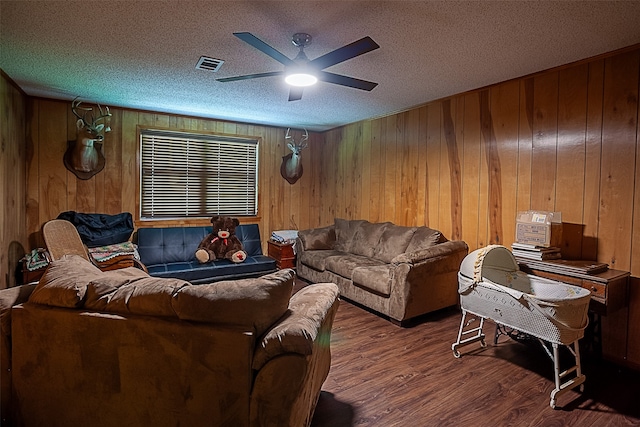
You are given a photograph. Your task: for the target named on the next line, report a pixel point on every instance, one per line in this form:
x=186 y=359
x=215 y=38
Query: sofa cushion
x=256 y=303
x=394 y=241
x=344 y=264
x=366 y=238
x=129 y=292
x=374 y=278
x=317 y=259
x=345 y=230
x=424 y=238
x=64 y=282
x=318 y=238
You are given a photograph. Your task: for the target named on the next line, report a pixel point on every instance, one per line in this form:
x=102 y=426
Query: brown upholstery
x=400 y=272
x=123 y=348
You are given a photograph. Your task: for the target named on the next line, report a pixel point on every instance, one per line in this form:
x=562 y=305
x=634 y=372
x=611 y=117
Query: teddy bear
x=222 y=243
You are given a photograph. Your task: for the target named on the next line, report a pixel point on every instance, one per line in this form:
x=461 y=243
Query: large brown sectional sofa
x=400 y=272
x=86 y=347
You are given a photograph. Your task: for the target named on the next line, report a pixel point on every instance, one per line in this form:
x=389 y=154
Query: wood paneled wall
x=563 y=140
x=52 y=189
x=13 y=235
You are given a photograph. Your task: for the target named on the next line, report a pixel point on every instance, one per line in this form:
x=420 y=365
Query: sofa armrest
x=438 y=251
x=8 y=298
x=311 y=311
x=294 y=358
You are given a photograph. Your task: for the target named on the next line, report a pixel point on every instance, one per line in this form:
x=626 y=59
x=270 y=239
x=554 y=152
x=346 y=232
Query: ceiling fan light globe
x=301 y=79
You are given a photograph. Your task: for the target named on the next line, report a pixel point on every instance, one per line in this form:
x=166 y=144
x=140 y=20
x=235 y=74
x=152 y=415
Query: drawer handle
x=594 y=289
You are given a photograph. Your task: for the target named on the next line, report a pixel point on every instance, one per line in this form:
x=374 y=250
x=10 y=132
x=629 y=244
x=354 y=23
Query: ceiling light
x=301 y=79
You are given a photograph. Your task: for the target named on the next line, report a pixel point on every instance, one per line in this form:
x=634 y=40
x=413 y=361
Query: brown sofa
x=400 y=272
x=122 y=348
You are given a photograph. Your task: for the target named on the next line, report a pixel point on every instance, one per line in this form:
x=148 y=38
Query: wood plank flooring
x=384 y=375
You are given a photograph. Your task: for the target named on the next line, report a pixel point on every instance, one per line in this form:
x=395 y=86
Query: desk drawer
x=598 y=290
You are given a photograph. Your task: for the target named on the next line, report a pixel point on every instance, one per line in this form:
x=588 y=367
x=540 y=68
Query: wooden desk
x=606 y=334
x=283 y=254
x=608 y=289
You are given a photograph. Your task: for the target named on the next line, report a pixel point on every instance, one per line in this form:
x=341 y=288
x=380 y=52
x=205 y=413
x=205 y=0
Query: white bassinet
x=491 y=286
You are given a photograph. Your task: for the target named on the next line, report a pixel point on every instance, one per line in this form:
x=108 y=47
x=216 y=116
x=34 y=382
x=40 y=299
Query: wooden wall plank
x=493 y=168
x=130 y=185
x=409 y=178
x=434 y=124
x=365 y=198
x=32 y=172
x=471 y=170
x=421 y=182
x=354 y=144
x=635 y=236
x=448 y=163
x=525 y=145
x=593 y=152
x=390 y=168
x=619 y=133
x=504 y=162
x=545 y=135
x=13 y=180
x=52 y=175
x=376 y=172
x=398 y=155
x=570 y=184
x=484 y=98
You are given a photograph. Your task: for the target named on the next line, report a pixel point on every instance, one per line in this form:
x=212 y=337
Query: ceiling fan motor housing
x=301 y=40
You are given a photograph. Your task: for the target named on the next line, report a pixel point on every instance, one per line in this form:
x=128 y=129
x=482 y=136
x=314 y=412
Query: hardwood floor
x=384 y=375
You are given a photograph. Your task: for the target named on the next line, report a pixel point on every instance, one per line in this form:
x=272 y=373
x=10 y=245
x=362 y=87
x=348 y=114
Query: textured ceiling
x=142 y=54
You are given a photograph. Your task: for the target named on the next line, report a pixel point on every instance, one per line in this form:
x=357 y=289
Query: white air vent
x=209 y=64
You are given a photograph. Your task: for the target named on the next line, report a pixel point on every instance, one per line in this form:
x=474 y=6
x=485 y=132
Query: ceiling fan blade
x=295 y=93
x=338 y=79
x=364 y=45
x=251 y=76
x=264 y=48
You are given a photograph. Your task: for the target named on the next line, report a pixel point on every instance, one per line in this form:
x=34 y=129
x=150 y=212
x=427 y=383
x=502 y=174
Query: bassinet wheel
x=483 y=343
x=456 y=354
x=552 y=403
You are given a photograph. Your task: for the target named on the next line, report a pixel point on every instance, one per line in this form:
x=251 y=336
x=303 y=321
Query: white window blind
x=194 y=175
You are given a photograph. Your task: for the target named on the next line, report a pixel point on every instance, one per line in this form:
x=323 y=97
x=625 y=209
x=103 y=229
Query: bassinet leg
x=462 y=332
x=577 y=381
x=576 y=353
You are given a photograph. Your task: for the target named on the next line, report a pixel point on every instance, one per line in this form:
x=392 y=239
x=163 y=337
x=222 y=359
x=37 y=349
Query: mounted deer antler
x=82 y=157
x=291 y=168
x=91 y=123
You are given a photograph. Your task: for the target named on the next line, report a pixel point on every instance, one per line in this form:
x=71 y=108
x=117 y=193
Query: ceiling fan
x=301 y=71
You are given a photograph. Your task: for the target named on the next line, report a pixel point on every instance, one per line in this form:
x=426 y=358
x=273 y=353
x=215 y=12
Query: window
x=197 y=175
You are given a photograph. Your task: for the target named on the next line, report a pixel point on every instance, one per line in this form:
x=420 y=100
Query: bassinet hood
x=493 y=257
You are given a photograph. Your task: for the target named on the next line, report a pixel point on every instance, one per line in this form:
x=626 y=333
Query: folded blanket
x=36 y=259
x=104 y=253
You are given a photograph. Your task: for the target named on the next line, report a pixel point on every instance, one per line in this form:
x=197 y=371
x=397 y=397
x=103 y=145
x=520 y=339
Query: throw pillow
x=318 y=238
x=394 y=241
x=345 y=230
x=367 y=237
x=425 y=238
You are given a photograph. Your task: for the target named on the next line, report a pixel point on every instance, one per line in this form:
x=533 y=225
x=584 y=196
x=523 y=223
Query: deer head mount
x=84 y=156
x=291 y=167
